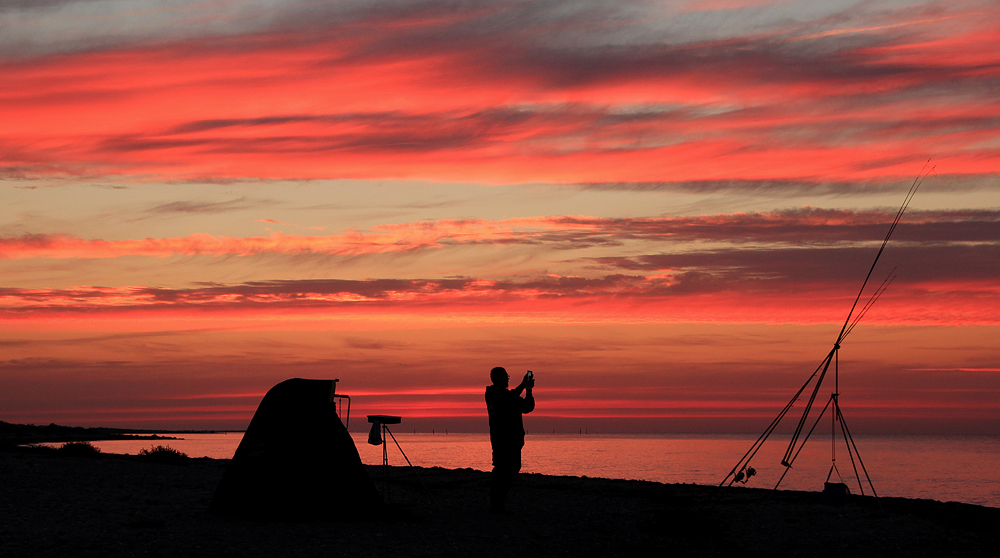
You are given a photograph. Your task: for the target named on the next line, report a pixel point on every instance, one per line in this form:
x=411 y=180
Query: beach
x=118 y=505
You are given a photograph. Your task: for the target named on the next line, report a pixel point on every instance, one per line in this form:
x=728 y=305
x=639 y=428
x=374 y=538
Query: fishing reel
x=744 y=475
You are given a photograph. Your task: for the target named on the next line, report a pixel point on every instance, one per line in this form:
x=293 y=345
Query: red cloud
x=760 y=268
x=375 y=98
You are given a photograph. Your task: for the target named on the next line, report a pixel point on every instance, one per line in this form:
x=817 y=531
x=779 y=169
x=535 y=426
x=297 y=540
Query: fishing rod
x=743 y=471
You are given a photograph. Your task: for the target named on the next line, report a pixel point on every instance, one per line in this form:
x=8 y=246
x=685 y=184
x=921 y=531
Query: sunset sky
x=663 y=208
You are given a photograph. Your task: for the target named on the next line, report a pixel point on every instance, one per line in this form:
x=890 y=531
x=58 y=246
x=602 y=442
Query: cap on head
x=499 y=376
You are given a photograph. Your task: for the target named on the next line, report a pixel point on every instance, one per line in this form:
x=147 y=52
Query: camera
x=531 y=375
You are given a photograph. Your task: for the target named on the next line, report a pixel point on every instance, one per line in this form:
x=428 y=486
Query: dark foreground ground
x=53 y=505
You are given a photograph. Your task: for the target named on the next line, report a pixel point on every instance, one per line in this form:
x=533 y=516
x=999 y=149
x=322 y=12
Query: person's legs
x=506 y=464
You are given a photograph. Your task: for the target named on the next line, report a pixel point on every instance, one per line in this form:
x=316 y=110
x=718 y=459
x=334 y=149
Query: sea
x=945 y=468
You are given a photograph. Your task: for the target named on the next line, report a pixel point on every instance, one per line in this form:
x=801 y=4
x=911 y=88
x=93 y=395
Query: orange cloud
x=375 y=99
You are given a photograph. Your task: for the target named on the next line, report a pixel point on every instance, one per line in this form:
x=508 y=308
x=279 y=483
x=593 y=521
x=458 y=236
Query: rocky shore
x=53 y=504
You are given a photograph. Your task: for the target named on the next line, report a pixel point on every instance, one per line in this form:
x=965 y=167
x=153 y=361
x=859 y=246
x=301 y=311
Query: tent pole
x=385 y=465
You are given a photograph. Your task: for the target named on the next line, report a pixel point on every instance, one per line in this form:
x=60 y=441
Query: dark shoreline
x=117 y=505
x=22 y=434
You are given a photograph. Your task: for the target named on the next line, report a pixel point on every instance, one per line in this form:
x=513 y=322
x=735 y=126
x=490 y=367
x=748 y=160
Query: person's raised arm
x=527 y=383
x=528 y=403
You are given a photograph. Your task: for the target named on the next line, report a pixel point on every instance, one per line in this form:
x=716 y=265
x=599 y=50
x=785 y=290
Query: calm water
x=959 y=468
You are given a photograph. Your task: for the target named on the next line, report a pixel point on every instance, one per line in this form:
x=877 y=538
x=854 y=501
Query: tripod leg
x=407 y=460
x=400 y=449
x=850 y=452
x=847 y=434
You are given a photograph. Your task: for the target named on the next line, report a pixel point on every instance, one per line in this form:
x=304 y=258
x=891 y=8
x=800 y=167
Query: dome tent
x=296 y=460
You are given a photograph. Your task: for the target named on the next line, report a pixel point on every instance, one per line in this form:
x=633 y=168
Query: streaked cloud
x=535 y=106
x=807 y=226
x=239 y=204
x=699 y=267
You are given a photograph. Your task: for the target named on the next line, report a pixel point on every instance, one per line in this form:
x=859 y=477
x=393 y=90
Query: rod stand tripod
x=377 y=437
x=833 y=491
x=743 y=470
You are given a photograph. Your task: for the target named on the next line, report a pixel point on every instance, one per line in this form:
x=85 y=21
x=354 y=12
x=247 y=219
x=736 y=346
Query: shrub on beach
x=79 y=449
x=163 y=454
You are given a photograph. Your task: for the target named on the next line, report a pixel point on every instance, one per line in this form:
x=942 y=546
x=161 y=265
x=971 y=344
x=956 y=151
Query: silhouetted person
x=505 y=407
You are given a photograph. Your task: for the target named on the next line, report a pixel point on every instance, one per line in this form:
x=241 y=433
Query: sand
x=112 y=505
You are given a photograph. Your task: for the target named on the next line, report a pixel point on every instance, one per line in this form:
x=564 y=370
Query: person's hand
x=529 y=381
